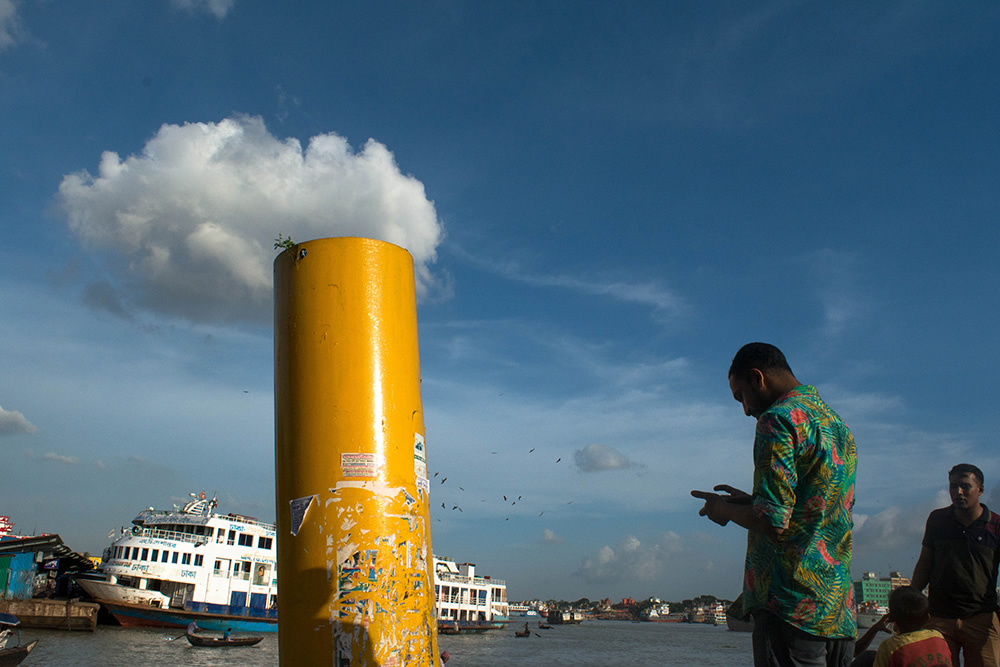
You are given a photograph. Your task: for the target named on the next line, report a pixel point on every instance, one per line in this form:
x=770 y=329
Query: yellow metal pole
x=355 y=566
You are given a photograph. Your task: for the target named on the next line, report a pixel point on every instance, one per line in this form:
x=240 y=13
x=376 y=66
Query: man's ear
x=757 y=379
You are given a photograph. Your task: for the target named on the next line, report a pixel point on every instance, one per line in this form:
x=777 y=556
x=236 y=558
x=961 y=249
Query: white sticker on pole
x=357 y=464
x=419 y=456
x=298 y=508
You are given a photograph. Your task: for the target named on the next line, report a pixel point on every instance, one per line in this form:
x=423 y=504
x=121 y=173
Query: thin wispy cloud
x=653 y=294
x=13 y=422
x=844 y=303
x=218 y=8
x=60 y=458
x=189 y=224
x=11 y=31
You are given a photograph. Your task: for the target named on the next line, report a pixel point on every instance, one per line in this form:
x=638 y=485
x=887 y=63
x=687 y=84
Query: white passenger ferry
x=466 y=603
x=193 y=564
x=190 y=564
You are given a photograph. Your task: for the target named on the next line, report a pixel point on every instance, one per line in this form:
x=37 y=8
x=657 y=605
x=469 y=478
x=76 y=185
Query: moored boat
x=466 y=603
x=190 y=564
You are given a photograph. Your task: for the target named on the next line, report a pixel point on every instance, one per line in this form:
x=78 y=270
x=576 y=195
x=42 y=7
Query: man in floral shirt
x=797 y=578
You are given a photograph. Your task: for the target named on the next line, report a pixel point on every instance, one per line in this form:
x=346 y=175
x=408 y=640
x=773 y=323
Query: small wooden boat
x=543 y=626
x=14 y=655
x=12 y=652
x=523 y=633
x=219 y=642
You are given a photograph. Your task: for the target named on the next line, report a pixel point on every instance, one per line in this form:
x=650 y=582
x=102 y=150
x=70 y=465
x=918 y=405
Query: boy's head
x=908 y=609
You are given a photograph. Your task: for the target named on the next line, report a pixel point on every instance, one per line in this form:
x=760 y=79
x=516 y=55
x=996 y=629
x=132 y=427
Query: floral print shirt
x=804 y=466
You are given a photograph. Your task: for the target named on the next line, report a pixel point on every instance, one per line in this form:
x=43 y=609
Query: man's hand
x=715 y=506
x=735 y=495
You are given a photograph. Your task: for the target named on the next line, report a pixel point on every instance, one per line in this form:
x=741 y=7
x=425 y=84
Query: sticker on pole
x=299 y=507
x=357 y=464
x=419 y=456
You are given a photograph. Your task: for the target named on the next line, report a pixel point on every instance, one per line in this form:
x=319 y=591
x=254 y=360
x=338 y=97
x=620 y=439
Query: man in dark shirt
x=959 y=558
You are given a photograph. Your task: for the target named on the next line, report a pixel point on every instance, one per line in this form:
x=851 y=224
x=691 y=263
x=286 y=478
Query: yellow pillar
x=355 y=566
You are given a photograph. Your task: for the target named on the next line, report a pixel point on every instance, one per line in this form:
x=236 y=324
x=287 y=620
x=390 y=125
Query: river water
x=592 y=643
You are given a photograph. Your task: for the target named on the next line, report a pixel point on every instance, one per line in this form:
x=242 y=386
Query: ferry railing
x=461 y=579
x=236 y=518
x=172 y=535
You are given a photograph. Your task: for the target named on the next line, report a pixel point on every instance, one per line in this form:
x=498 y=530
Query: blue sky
x=603 y=200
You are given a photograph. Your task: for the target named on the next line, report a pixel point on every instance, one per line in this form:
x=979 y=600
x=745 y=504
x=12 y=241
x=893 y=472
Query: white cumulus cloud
x=192 y=220
x=630 y=559
x=593 y=458
x=13 y=422
x=549 y=537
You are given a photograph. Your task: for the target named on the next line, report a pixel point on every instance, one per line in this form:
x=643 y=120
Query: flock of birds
x=512 y=500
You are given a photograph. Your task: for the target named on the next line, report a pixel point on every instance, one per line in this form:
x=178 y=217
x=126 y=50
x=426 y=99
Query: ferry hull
x=131 y=615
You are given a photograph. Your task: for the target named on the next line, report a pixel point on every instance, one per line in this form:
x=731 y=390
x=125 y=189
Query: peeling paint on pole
x=354 y=540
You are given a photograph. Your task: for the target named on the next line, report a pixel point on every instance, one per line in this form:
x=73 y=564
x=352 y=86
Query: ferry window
x=156 y=554
x=186 y=560
x=220 y=536
x=145 y=553
x=264 y=542
x=246 y=540
x=128 y=550
x=166 y=556
x=174 y=559
x=232 y=538
x=199 y=560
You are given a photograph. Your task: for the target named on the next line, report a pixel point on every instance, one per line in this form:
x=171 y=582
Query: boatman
x=193 y=627
x=797 y=577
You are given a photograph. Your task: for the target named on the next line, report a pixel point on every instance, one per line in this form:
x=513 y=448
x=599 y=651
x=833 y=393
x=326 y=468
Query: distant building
x=872 y=591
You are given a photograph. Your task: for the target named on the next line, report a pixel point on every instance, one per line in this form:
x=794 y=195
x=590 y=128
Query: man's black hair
x=762 y=356
x=908 y=607
x=968 y=468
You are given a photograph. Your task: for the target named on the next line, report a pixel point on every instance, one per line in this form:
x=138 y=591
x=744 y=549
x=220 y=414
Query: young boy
x=912 y=646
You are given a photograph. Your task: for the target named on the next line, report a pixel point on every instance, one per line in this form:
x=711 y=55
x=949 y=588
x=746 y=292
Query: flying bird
x=531 y=450
x=444 y=479
x=558 y=459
